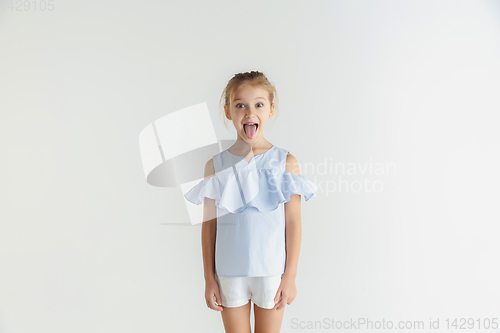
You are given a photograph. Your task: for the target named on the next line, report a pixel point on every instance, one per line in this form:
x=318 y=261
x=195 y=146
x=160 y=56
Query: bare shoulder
x=292 y=165
x=209 y=168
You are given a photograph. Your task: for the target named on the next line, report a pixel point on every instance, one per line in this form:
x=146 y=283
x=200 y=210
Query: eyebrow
x=239 y=99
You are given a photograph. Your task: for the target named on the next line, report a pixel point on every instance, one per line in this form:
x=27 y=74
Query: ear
x=226 y=111
x=272 y=110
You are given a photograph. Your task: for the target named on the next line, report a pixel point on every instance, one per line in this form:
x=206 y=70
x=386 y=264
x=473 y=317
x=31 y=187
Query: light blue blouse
x=250 y=198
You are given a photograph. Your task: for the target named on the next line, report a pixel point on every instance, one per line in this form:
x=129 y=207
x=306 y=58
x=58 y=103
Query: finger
x=277 y=297
x=218 y=298
x=216 y=306
x=211 y=305
x=281 y=304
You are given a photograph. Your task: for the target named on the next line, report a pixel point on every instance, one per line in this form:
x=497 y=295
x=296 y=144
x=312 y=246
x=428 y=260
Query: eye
x=260 y=104
x=238 y=106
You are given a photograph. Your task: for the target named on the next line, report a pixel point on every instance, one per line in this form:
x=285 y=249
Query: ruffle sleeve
x=263 y=189
x=208 y=187
x=293 y=184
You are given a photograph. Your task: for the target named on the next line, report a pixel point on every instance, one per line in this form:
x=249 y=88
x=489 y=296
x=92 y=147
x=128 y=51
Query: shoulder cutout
x=292 y=165
x=209 y=168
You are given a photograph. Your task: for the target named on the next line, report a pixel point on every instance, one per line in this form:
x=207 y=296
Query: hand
x=212 y=294
x=286 y=292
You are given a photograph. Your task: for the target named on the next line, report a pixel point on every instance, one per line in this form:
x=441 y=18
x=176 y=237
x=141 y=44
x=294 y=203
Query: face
x=250 y=105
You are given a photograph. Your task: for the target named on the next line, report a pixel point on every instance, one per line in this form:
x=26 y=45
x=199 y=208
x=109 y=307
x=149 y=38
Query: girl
x=251 y=232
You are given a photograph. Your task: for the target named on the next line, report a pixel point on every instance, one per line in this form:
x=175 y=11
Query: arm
x=209 y=229
x=293 y=231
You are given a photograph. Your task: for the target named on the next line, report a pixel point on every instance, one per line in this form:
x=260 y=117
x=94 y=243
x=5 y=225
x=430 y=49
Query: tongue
x=250 y=130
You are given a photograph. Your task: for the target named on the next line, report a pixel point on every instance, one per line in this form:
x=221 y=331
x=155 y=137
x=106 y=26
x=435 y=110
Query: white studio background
x=405 y=91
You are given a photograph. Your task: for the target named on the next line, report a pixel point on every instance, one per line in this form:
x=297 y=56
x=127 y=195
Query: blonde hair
x=254 y=79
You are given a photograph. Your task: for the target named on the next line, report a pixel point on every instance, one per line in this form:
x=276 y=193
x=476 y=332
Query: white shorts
x=237 y=291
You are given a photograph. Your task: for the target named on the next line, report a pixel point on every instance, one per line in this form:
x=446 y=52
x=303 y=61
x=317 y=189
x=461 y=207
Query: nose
x=250 y=112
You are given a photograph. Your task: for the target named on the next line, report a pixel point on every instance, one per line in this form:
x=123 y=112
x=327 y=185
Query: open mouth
x=250 y=129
